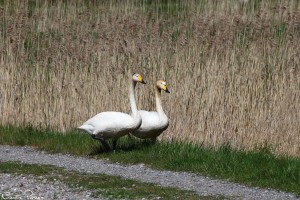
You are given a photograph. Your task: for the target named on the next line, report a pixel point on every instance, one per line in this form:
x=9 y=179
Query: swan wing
x=108 y=124
x=152 y=125
x=150 y=119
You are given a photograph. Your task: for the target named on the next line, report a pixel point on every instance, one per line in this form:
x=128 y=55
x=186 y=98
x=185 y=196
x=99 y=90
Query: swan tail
x=87 y=128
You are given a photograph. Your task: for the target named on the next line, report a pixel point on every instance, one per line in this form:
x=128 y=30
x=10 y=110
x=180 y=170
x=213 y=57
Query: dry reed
x=233 y=69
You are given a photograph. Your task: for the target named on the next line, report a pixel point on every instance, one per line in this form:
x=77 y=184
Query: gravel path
x=38 y=188
x=202 y=185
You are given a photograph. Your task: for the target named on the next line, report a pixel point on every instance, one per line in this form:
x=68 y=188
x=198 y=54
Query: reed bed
x=232 y=68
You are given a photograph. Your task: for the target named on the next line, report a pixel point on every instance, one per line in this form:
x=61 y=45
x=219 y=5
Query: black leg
x=103 y=142
x=114 y=144
x=105 y=145
x=153 y=140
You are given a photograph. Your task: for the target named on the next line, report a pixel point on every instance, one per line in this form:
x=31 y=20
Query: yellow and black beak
x=165 y=89
x=140 y=79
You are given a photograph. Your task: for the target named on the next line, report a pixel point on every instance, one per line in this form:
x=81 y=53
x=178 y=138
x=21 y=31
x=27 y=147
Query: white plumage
x=114 y=125
x=153 y=122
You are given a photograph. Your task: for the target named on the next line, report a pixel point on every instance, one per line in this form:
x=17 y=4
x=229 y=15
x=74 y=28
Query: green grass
x=75 y=143
x=112 y=187
x=254 y=168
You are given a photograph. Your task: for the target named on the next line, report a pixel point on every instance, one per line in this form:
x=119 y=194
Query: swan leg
x=105 y=145
x=114 y=144
x=153 y=140
x=103 y=142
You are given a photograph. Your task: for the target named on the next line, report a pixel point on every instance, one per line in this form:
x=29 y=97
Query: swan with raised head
x=113 y=125
x=153 y=122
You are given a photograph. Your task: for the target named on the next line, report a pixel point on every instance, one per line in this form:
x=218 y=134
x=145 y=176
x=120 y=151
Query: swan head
x=162 y=85
x=138 y=78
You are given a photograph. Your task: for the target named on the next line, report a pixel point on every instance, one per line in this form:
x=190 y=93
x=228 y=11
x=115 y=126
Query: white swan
x=153 y=123
x=114 y=125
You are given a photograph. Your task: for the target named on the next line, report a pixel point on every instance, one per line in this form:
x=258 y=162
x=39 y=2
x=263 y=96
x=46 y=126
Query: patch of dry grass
x=233 y=69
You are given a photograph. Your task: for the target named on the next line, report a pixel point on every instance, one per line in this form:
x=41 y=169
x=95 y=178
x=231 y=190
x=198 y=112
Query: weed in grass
x=280 y=32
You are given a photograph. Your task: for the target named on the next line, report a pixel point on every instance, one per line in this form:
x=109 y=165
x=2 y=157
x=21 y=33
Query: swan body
x=153 y=122
x=113 y=125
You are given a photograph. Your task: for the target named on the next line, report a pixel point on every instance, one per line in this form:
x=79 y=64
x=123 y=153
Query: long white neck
x=135 y=114
x=159 y=108
x=133 y=105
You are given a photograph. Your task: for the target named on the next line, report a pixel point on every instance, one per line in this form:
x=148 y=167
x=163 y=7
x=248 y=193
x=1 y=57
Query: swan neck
x=133 y=105
x=159 y=108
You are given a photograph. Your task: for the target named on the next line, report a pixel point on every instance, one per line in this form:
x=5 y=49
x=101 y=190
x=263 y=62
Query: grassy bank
x=254 y=168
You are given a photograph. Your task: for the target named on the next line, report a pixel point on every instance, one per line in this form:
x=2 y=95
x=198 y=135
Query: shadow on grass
x=125 y=144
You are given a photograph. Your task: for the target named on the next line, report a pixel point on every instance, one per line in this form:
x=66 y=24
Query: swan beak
x=140 y=79
x=165 y=89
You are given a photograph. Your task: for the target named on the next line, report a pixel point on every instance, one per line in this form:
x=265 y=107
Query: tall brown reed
x=233 y=69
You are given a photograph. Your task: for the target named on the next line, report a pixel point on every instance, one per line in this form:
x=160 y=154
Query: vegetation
x=232 y=68
x=104 y=185
x=254 y=168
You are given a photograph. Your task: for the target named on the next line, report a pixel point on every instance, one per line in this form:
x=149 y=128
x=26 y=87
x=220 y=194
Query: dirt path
x=202 y=185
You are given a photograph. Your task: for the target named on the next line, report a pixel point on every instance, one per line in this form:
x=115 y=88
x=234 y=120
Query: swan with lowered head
x=153 y=123
x=113 y=125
